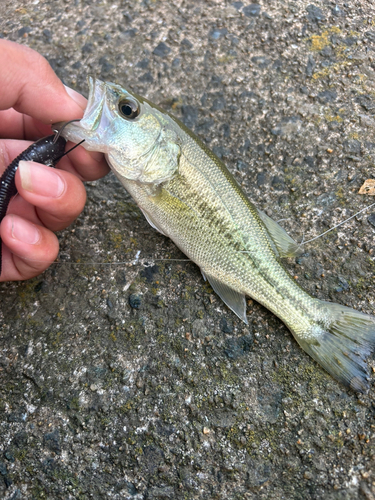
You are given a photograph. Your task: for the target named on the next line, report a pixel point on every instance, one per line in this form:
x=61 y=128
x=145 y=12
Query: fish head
x=141 y=142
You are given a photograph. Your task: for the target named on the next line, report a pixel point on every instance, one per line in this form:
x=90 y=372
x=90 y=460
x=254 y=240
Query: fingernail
x=41 y=180
x=78 y=98
x=25 y=231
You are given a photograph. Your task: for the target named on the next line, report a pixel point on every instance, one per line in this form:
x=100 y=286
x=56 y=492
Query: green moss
x=116 y=239
x=319 y=42
x=129 y=405
x=56 y=339
x=227 y=374
x=2 y=405
x=225 y=59
x=20 y=454
x=105 y=421
x=234 y=435
x=73 y=404
x=337 y=439
x=332 y=117
x=38 y=492
x=361 y=284
x=341 y=195
x=206 y=287
x=160 y=322
x=27 y=295
x=179 y=347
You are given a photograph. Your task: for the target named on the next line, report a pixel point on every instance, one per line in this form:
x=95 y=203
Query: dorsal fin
x=285 y=245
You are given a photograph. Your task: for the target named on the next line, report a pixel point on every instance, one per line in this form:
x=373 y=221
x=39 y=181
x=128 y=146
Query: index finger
x=32 y=97
x=30 y=86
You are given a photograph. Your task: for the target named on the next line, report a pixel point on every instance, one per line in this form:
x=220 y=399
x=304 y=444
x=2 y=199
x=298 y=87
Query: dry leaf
x=368 y=187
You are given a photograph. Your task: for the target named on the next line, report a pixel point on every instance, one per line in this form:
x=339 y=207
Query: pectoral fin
x=152 y=223
x=234 y=300
x=285 y=245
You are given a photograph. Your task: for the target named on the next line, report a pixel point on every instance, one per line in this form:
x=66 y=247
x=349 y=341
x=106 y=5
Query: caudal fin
x=341 y=341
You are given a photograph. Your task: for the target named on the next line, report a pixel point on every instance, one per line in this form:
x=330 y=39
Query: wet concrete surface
x=122 y=374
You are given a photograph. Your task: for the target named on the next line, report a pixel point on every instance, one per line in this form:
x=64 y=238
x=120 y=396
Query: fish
x=187 y=194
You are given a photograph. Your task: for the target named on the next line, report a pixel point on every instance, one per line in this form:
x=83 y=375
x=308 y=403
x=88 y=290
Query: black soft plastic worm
x=47 y=151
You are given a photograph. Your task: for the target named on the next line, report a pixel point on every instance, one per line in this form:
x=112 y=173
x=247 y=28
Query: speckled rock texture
x=123 y=376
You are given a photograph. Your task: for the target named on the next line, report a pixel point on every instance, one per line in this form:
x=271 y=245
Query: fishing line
x=337 y=225
x=92 y=263
x=58 y=134
x=301 y=244
x=126 y=262
x=60 y=131
x=71 y=149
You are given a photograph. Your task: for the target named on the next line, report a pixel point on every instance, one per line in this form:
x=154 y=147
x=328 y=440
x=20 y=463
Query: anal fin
x=234 y=300
x=285 y=245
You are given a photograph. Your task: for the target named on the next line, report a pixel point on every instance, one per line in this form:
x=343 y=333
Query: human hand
x=32 y=99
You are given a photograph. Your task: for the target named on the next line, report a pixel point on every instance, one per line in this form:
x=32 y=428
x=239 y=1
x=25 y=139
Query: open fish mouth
x=87 y=126
x=95 y=104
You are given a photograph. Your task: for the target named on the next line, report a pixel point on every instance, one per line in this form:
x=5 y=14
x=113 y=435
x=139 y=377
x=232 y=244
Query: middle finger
x=15 y=125
x=58 y=195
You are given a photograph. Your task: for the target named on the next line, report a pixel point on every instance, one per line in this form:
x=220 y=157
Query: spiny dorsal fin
x=234 y=300
x=285 y=245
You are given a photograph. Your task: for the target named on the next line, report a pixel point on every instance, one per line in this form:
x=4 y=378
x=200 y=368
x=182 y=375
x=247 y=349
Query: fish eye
x=128 y=108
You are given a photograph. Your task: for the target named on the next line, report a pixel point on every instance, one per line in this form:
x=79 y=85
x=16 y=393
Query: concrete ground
x=122 y=374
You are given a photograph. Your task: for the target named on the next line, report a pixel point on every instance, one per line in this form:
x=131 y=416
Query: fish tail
x=340 y=341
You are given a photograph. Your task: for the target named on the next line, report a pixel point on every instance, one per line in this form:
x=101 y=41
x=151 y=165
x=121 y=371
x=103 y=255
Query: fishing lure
x=48 y=151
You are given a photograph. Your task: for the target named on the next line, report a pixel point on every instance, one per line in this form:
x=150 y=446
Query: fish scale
x=257 y=266
x=188 y=194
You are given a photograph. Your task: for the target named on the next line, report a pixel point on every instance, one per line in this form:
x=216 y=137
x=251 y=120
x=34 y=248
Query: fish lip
x=88 y=124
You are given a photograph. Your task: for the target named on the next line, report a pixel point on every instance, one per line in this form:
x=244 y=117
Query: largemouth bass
x=187 y=194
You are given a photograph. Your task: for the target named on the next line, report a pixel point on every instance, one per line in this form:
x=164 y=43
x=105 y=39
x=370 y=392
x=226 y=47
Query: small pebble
x=135 y=301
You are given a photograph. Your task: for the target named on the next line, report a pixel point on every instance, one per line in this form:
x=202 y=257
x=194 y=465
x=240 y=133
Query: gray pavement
x=122 y=375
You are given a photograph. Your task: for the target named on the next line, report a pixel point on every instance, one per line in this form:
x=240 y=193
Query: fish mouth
x=95 y=104
x=85 y=128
